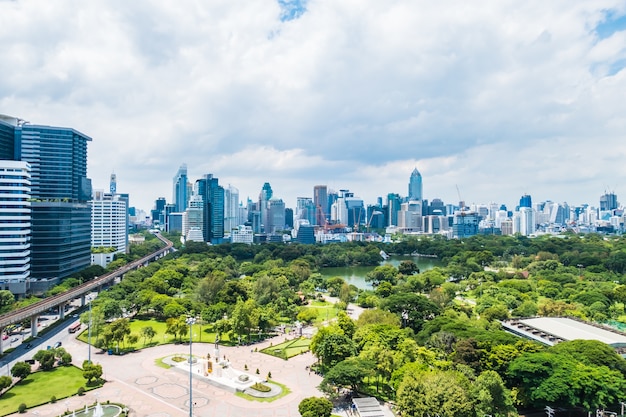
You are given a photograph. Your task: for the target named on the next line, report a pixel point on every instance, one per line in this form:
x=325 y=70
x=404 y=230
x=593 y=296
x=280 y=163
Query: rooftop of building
x=552 y=330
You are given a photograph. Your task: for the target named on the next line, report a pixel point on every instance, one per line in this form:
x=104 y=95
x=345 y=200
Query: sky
x=493 y=98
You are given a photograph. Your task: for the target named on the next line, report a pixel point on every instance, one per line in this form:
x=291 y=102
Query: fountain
x=98 y=411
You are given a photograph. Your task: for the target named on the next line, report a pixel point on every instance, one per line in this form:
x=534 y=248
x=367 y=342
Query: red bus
x=74 y=327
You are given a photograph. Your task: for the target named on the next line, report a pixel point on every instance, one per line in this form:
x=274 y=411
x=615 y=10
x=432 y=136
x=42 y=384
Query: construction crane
x=461 y=202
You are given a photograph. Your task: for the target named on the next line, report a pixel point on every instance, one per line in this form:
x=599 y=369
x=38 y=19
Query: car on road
x=15 y=339
x=57 y=345
x=5 y=336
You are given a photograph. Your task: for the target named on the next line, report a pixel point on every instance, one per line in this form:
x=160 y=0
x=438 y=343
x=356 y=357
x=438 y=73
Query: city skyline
x=497 y=99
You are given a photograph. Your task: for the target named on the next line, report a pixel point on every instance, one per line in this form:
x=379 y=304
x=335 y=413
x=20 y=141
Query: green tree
x=91 y=371
x=346 y=324
x=408 y=268
x=334 y=348
x=245 y=316
x=5 y=382
x=315 y=407
x=21 y=369
x=349 y=373
x=383 y=273
x=307 y=315
x=443 y=392
x=6 y=300
x=413 y=309
x=177 y=326
x=119 y=329
x=491 y=396
x=147 y=333
x=45 y=358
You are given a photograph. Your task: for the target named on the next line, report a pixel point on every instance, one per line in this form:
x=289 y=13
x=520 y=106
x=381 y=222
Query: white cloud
x=499 y=97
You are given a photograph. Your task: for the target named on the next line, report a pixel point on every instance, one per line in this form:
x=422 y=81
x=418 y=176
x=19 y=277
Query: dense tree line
x=429 y=340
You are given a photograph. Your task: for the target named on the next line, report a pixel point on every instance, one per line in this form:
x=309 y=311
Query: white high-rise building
x=527 y=221
x=193 y=220
x=231 y=208
x=109 y=226
x=15 y=226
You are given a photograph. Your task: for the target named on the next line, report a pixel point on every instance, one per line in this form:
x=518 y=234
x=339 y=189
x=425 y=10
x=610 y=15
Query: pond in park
x=355 y=275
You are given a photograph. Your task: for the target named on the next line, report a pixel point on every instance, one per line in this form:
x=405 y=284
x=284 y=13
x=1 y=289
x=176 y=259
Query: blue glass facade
x=60 y=189
x=61 y=239
x=213 y=202
x=181 y=195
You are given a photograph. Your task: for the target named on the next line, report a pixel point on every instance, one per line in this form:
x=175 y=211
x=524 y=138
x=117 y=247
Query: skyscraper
x=320 y=200
x=109 y=226
x=608 y=201
x=213 y=199
x=180 y=189
x=15 y=226
x=415 y=186
x=525 y=201
x=60 y=189
x=231 y=208
x=264 y=196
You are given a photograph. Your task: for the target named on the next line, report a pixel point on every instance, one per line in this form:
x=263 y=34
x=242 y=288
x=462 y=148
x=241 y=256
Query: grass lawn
x=288 y=349
x=39 y=387
x=161 y=338
x=325 y=310
x=284 y=392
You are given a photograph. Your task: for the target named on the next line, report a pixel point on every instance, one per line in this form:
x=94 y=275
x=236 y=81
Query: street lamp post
x=190 y=321
x=89 y=335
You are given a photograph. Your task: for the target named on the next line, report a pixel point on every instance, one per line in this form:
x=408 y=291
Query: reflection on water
x=355 y=275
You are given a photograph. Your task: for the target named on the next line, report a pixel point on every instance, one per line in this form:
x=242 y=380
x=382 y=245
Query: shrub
x=260 y=387
x=257 y=371
x=53 y=399
x=21 y=408
x=269 y=375
x=245 y=367
x=81 y=390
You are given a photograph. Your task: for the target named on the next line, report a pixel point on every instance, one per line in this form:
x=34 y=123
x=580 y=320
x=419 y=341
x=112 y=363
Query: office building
x=15 y=226
x=525 y=201
x=213 y=202
x=231 y=209
x=415 y=186
x=320 y=201
x=608 y=201
x=465 y=224
x=242 y=234
x=60 y=191
x=180 y=194
x=275 y=216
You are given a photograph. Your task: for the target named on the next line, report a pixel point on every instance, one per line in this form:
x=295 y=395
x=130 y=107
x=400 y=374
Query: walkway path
x=151 y=391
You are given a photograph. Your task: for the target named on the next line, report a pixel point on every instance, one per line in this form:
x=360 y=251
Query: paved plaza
x=152 y=391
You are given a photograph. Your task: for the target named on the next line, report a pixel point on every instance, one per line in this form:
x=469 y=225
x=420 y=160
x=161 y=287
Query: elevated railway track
x=33 y=311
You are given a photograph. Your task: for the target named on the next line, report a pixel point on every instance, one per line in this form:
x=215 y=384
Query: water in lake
x=355 y=275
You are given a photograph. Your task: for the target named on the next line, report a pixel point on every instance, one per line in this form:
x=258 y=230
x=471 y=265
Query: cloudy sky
x=499 y=98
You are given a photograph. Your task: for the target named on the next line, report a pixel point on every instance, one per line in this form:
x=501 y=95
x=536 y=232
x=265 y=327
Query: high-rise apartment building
x=109 y=226
x=15 y=226
x=193 y=220
x=231 y=208
x=415 y=186
x=180 y=195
